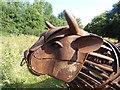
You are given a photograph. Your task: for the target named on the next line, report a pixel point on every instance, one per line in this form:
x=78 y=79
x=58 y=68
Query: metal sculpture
x=79 y=58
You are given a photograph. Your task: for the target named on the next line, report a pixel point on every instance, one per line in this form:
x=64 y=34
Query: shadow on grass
x=48 y=83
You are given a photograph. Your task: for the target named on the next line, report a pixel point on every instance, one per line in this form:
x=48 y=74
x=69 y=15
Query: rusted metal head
x=60 y=52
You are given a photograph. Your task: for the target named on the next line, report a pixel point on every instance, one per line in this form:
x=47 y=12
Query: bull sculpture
x=79 y=58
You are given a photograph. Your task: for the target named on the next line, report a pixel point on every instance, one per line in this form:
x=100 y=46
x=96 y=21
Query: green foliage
x=25 y=18
x=12 y=75
x=61 y=16
x=57 y=22
x=111 y=40
x=79 y=23
x=107 y=24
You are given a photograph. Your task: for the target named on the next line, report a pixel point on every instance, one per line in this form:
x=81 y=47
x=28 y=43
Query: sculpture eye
x=57 y=45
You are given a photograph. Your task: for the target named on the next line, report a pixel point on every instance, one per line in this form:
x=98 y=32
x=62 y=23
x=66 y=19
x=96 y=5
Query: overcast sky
x=86 y=10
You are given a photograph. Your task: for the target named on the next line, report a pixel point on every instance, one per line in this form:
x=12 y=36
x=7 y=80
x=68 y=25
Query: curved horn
x=49 y=25
x=72 y=24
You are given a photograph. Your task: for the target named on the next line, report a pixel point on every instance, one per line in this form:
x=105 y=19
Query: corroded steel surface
x=79 y=58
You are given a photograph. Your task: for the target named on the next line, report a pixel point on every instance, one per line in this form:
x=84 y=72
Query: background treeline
x=107 y=24
x=25 y=18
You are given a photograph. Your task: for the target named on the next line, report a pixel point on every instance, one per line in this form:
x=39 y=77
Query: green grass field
x=12 y=74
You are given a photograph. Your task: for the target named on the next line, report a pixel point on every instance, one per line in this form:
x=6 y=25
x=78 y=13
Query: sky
x=86 y=10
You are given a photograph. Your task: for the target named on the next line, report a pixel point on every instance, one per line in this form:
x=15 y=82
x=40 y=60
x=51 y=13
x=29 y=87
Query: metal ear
x=74 y=28
x=49 y=25
x=87 y=44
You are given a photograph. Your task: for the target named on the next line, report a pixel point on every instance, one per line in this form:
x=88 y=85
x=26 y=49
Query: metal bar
x=111 y=78
x=72 y=84
x=68 y=85
x=78 y=84
x=105 y=47
x=105 y=67
x=89 y=77
x=85 y=82
x=95 y=71
x=101 y=56
x=116 y=82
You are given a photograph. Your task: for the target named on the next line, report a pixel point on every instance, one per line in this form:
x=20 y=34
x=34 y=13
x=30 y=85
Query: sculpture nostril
x=42 y=47
x=26 y=52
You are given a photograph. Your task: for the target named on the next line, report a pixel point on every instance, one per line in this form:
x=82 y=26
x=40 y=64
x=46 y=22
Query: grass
x=12 y=74
x=111 y=40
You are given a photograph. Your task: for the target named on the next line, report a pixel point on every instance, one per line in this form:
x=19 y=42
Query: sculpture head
x=60 y=52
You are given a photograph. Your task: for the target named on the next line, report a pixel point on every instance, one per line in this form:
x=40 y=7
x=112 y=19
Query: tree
x=113 y=24
x=107 y=24
x=97 y=25
x=25 y=18
x=79 y=23
x=57 y=22
x=18 y=17
x=61 y=16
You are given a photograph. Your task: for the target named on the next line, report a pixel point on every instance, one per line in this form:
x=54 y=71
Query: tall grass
x=111 y=40
x=12 y=74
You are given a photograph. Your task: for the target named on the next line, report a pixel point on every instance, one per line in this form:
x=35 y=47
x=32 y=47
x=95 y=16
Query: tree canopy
x=107 y=24
x=25 y=18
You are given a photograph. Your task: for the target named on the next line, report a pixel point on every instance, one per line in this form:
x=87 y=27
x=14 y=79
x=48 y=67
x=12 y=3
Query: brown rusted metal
x=59 y=54
x=96 y=72
x=105 y=67
x=102 y=56
x=49 y=25
x=112 y=77
x=118 y=44
x=116 y=82
x=87 y=84
x=80 y=59
x=87 y=76
x=105 y=47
